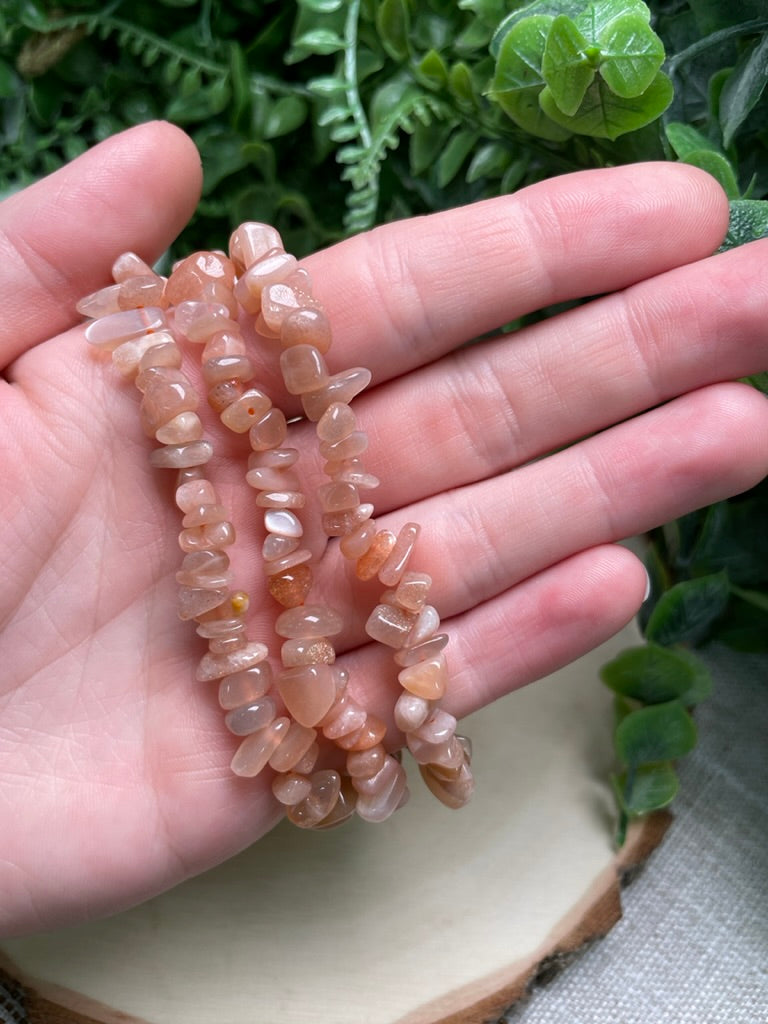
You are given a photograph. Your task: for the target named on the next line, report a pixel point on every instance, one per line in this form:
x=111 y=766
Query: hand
x=114 y=763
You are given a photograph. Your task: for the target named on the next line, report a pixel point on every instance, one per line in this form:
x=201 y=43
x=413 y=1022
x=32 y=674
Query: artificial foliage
x=325 y=117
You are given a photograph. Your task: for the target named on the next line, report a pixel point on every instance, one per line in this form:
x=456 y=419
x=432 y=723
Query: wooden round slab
x=435 y=916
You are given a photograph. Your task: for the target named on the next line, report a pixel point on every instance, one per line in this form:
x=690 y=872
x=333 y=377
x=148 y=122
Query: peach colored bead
x=336 y=423
x=427 y=679
x=412 y=590
x=195 y=601
x=382 y=805
x=425 y=627
x=146 y=290
x=129 y=265
x=265 y=478
x=314 y=651
x=186 y=426
x=223 y=394
x=362 y=764
x=308 y=762
x=218 y=294
x=308 y=692
x=127 y=358
x=449 y=754
x=199 y=321
x=368 y=785
x=287 y=563
x=341 y=387
x=290 y=587
x=303 y=369
x=224 y=343
x=291 y=789
x=201 y=515
x=309 y=621
x=191 y=275
x=214 y=535
x=389 y=625
x=337 y=524
x=183 y=476
x=281 y=499
x=454 y=794
x=248 y=409
x=373 y=732
x=100 y=303
x=355 y=544
x=439 y=727
x=251 y=717
x=206 y=569
x=423 y=651
x=338 y=497
x=274 y=458
x=350 y=718
x=368 y=565
x=275 y=546
x=216 y=666
x=227 y=645
x=397 y=560
x=274 y=266
x=228 y=368
x=283 y=522
x=194 y=493
x=269 y=432
x=306 y=326
x=293 y=746
x=165 y=352
x=352 y=445
x=342 y=810
x=178 y=456
x=254 y=752
x=411 y=711
x=351 y=471
x=320 y=802
x=277 y=301
x=166 y=393
x=245 y=686
x=110 y=331
x=250 y=242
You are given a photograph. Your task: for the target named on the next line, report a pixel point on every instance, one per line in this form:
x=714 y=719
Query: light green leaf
x=605 y=115
x=743 y=89
x=566 y=66
x=685 y=139
x=433 y=67
x=648 y=789
x=326 y=85
x=718 y=166
x=602 y=16
x=653 y=674
x=490 y=160
x=660 y=732
x=686 y=612
x=319 y=40
x=632 y=54
x=285 y=115
x=454 y=155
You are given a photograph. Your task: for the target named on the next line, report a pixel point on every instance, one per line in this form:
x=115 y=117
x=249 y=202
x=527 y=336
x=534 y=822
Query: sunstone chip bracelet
x=285 y=716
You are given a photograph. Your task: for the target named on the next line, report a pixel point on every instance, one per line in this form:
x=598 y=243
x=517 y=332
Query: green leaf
x=433 y=68
x=454 y=155
x=605 y=115
x=749 y=220
x=648 y=789
x=744 y=626
x=393 y=25
x=685 y=139
x=685 y=612
x=320 y=40
x=743 y=89
x=603 y=16
x=565 y=65
x=653 y=674
x=426 y=144
x=632 y=55
x=285 y=115
x=661 y=732
x=718 y=166
x=321 y=6
x=460 y=84
x=326 y=85
x=490 y=160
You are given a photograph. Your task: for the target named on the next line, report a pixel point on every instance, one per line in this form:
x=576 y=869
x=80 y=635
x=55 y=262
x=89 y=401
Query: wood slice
x=435 y=917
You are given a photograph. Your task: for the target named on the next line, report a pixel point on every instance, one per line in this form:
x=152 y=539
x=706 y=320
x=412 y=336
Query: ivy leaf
x=653 y=674
x=685 y=613
x=602 y=114
x=648 y=789
x=661 y=732
x=743 y=89
x=566 y=66
x=632 y=54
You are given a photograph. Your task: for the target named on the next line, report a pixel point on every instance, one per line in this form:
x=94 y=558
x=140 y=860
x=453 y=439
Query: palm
x=111 y=758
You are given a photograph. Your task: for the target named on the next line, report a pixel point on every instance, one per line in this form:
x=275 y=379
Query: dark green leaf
x=661 y=732
x=685 y=613
x=565 y=66
x=393 y=25
x=285 y=116
x=649 y=788
x=652 y=675
x=749 y=220
x=433 y=68
x=460 y=83
x=743 y=89
x=490 y=160
x=685 y=139
x=744 y=626
x=718 y=166
x=453 y=156
x=426 y=144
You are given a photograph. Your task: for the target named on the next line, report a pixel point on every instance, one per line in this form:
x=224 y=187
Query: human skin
x=114 y=764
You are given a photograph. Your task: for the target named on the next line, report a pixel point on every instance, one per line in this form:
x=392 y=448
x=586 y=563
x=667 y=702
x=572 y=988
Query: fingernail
x=648 y=587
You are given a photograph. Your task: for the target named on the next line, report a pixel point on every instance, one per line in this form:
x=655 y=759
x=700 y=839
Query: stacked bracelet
x=282 y=715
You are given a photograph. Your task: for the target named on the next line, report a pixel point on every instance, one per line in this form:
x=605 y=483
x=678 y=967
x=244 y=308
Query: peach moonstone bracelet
x=282 y=716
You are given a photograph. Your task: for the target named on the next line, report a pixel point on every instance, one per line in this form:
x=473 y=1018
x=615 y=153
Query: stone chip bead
x=250 y=242
x=294 y=746
x=311 y=620
x=340 y=387
x=246 y=410
x=308 y=326
x=389 y=625
x=245 y=686
x=321 y=800
x=254 y=752
x=303 y=369
x=427 y=679
x=216 y=666
x=251 y=717
x=382 y=804
x=308 y=691
x=290 y=587
x=110 y=331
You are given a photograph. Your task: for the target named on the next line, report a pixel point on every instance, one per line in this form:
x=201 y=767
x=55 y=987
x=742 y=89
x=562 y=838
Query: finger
x=59 y=237
x=489 y=407
x=479 y=540
x=407 y=292
x=519 y=636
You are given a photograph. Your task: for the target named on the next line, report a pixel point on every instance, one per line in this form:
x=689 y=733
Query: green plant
x=399 y=107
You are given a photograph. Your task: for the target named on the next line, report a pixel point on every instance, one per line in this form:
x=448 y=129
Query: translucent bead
x=164 y=353
x=336 y=423
x=110 y=331
x=348 y=718
x=228 y=368
x=337 y=524
x=342 y=810
x=281 y=499
x=341 y=387
x=191 y=275
x=355 y=544
x=449 y=754
x=348 y=448
x=368 y=565
x=250 y=717
x=368 y=785
x=254 y=752
x=454 y=794
x=269 y=432
x=276 y=547
x=338 y=497
x=425 y=627
x=439 y=727
x=277 y=301
x=207 y=569
x=397 y=560
x=308 y=762
x=199 y=321
x=129 y=265
x=382 y=805
x=412 y=590
x=351 y=471
x=313 y=651
x=320 y=802
x=184 y=427
x=143 y=290
x=213 y=535
x=372 y=732
x=216 y=666
x=201 y=515
x=245 y=686
x=194 y=601
x=293 y=747
x=291 y=789
x=283 y=522
x=128 y=357
x=177 y=456
x=224 y=394
x=274 y=458
x=311 y=620
x=223 y=625
x=248 y=409
x=167 y=392
x=307 y=691
x=194 y=493
x=100 y=303
x=389 y=625
x=265 y=478
x=250 y=242
x=224 y=343
x=303 y=369
x=423 y=651
x=274 y=266
x=410 y=711
x=427 y=679
x=306 y=327
x=287 y=563
x=362 y=764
